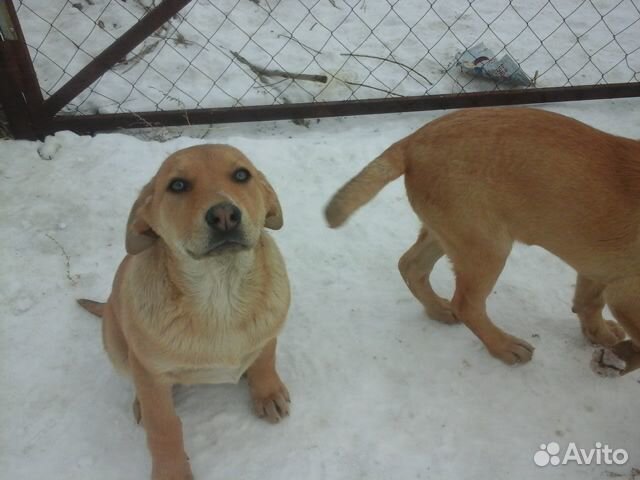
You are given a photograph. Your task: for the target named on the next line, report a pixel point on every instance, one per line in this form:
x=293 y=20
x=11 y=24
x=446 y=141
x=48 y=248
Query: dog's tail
x=96 y=308
x=365 y=185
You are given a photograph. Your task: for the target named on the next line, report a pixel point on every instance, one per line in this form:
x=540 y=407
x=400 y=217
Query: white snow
x=379 y=391
x=48 y=149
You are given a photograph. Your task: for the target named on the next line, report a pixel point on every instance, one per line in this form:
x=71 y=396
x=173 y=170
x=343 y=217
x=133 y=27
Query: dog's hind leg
x=623 y=298
x=415 y=267
x=114 y=341
x=477 y=263
x=588 y=303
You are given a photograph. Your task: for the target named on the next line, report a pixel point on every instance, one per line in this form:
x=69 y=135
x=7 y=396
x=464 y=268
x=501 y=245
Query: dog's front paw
x=271 y=402
x=511 y=350
x=607 y=336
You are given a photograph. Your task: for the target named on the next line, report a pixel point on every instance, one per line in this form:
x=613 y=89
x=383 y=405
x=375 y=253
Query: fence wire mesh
x=225 y=53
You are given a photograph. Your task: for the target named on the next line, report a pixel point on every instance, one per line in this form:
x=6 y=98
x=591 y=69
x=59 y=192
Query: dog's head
x=204 y=201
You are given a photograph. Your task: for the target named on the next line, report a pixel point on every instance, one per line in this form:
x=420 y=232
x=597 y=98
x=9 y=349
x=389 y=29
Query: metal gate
x=185 y=62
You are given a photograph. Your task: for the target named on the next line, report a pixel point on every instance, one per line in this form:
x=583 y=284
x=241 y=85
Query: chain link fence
x=227 y=53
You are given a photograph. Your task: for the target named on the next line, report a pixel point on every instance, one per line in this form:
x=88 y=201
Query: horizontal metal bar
x=94 y=123
x=113 y=53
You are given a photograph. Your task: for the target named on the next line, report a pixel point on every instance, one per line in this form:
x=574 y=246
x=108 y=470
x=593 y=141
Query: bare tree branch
x=263 y=72
x=306 y=47
x=371 y=87
x=407 y=67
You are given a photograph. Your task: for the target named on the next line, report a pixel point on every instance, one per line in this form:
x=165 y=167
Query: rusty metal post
x=20 y=92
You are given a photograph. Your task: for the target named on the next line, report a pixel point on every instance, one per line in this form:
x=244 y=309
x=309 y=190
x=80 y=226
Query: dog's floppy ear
x=140 y=235
x=273 y=219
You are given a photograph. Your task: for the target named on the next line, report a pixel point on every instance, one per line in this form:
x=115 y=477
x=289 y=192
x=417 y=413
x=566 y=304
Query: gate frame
x=30 y=116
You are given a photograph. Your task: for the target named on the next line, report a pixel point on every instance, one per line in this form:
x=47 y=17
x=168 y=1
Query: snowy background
x=192 y=61
x=379 y=391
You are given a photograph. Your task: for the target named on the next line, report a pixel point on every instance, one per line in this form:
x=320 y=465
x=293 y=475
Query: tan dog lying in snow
x=201 y=295
x=483 y=178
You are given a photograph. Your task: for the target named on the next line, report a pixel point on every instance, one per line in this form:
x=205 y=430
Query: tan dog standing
x=480 y=179
x=201 y=295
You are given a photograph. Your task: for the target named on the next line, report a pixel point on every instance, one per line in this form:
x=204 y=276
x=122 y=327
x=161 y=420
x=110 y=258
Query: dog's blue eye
x=241 y=175
x=178 y=185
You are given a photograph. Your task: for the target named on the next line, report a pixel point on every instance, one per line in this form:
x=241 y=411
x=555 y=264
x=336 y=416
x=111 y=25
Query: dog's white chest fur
x=215 y=291
x=214 y=332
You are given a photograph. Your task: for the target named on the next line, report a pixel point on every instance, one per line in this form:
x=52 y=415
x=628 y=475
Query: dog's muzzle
x=225 y=231
x=224 y=217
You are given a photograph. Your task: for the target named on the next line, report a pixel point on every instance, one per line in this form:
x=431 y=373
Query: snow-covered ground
x=379 y=391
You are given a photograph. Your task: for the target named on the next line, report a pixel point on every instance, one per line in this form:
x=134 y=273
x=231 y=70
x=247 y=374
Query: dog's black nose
x=224 y=217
